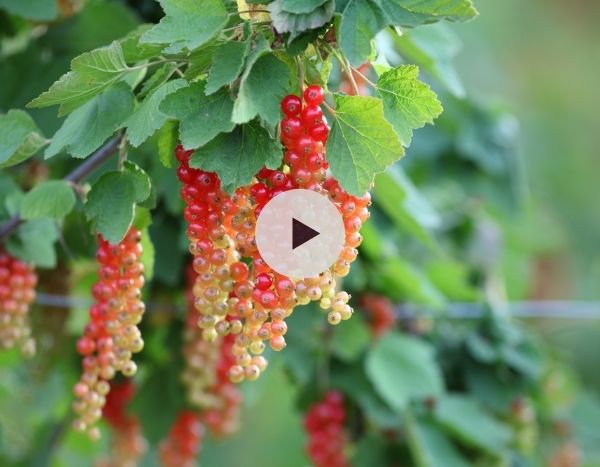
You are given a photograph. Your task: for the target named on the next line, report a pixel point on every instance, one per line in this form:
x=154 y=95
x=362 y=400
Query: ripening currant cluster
x=182 y=445
x=17 y=292
x=205 y=375
x=236 y=293
x=111 y=337
x=380 y=311
x=128 y=444
x=324 y=425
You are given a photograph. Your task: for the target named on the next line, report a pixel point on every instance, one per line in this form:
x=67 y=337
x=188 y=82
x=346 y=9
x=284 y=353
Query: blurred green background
x=537 y=59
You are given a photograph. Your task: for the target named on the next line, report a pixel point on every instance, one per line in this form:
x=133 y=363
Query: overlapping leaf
x=20 y=138
x=91 y=74
x=148 y=118
x=187 y=24
x=84 y=130
x=407 y=102
x=361 y=142
x=201 y=117
x=111 y=202
x=237 y=156
x=53 y=199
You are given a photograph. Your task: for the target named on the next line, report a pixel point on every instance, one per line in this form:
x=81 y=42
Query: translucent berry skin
x=291 y=105
x=314 y=95
x=111 y=337
x=17 y=292
x=312 y=116
x=324 y=425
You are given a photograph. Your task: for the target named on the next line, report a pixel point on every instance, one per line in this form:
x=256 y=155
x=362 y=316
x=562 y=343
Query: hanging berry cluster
x=128 y=444
x=324 y=425
x=17 y=292
x=380 y=312
x=182 y=445
x=111 y=337
x=247 y=299
x=205 y=375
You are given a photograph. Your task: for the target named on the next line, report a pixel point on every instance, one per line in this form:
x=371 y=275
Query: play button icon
x=300 y=233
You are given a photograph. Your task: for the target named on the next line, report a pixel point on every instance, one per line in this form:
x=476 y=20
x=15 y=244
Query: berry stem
x=300 y=73
x=363 y=76
x=347 y=71
x=329 y=109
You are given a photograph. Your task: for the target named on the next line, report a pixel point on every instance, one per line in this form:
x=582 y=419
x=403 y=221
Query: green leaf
x=147 y=118
x=227 y=63
x=430 y=447
x=361 y=142
x=432 y=48
x=404 y=281
x=148 y=255
x=20 y=138
x=410 y=211
x=187 y=23
x=199 y=61
x=84 y=130
x=237 y=156
x=467 y=421
x=167 y=142
x=286 y=21
x=415 y=12
x=301 y=6
x=53 y=199
x=34 y=242
x=402 y=368
x=350 y=338
x=37 y=10
x=111 y=202
x=261 y=89
x=135 y=51
x=201 y=117
x=91 y=74
x=361 y=21
x=407 y=102
x=452 y=278
x=158 y=78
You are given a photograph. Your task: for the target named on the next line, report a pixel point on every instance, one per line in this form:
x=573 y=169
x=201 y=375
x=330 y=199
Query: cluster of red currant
x=206 y=373
x=380 y=311
x=111 y=337
x=253 y=302
x=324 y=424
x=128 y=445
x=182 y=445
x=17 y=292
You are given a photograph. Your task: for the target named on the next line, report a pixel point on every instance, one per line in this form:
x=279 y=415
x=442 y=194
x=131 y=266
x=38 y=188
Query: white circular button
x=300 y=233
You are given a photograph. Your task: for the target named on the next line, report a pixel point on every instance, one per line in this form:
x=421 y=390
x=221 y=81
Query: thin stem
x=122 y=152
x=300 y=73
x=157 y=62
x=367 y=80
x=346 y=68
x=329 y=109
x=76 y=176
x=248 y=12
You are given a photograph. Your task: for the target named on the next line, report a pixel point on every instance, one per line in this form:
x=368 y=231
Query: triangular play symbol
x=301 y=233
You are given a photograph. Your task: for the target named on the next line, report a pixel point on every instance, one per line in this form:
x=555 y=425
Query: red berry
x=291 y=105
x=312 y=116
x=314 y=161
x=263 y=281
x=305 y=145
x=291 y=128
x=319 y=132
x=314 y=95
